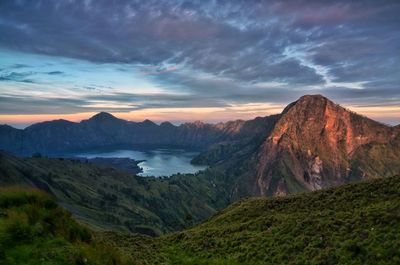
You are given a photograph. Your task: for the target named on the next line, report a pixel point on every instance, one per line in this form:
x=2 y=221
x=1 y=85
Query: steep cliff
x=315 y=144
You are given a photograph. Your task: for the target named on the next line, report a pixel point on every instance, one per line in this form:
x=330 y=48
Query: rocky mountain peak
x=310 y=102
x=313 y=141
x=316 y=97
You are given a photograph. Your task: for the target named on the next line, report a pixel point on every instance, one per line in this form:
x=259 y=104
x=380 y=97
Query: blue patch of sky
x=55 y=73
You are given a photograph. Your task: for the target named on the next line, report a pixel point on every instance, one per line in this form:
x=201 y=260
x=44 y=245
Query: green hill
x=352 y=224
x=108 y=199
x=35 y=230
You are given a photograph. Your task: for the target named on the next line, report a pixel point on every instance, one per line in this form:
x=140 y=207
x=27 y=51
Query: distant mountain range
x=313 y=143
x=105 y=130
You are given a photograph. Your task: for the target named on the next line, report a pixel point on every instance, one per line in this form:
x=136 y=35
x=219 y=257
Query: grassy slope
x=109 y=199
x=352 y=224
x=34 y=230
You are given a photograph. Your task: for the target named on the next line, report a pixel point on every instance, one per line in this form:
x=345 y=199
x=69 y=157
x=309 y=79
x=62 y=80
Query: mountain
x=105 y=130
x=11 y=138
x=352 y=224
x=314 y=143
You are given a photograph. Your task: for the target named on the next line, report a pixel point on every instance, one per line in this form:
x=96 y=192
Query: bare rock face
x=315 y=173
x=312 y=144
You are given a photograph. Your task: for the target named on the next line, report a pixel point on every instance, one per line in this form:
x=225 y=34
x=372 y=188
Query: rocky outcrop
x=312 y=145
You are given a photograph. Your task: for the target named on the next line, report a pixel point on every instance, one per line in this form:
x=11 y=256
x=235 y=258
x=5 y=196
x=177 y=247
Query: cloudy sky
x=187 y=60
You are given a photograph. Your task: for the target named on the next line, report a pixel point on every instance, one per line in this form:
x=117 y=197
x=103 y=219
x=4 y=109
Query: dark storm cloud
x=220 y=49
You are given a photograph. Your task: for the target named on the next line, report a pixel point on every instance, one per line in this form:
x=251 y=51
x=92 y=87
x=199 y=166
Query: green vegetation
x=376 y=160
x=352 y=224
x=35 y=230
x=112 y=200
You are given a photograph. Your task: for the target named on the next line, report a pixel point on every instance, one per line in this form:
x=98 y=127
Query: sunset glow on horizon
x=387 y=115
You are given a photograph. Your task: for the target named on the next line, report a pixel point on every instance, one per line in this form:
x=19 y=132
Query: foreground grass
x=34 y=230
x=353 y=224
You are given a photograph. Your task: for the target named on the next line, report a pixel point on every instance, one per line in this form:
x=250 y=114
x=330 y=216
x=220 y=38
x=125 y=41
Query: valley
x=199 y=132
x=314 y=144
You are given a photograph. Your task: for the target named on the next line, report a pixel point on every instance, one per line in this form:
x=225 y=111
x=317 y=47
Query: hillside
x=34 y=230
x=313 y=144
x=109 y=199
x=352 y=224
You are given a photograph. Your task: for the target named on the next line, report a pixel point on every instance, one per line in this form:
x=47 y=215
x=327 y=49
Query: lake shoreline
x=124 y=164
x=159 y=162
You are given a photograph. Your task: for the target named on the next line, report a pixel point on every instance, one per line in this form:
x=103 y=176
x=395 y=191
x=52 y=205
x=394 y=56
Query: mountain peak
x=166 y=124
x=308 y=101
x=103 y=116
x=316 y=97
x=148 y=122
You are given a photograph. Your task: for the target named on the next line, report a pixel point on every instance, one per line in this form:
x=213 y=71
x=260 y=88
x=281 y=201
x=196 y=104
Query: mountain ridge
x=314 y=143
x=107 y=115
x=104 y=129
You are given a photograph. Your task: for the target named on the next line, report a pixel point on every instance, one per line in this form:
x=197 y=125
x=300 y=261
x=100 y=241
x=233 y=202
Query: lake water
x=157 y=162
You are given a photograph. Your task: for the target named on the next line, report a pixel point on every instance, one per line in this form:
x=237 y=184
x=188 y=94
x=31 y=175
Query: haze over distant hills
x=104 y=130
x=313 y=143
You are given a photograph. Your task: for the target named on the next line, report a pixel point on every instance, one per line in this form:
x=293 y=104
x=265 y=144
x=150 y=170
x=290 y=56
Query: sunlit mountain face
x=195 y=60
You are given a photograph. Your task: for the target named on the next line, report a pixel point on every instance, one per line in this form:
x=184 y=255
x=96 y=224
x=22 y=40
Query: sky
x=205 y=60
